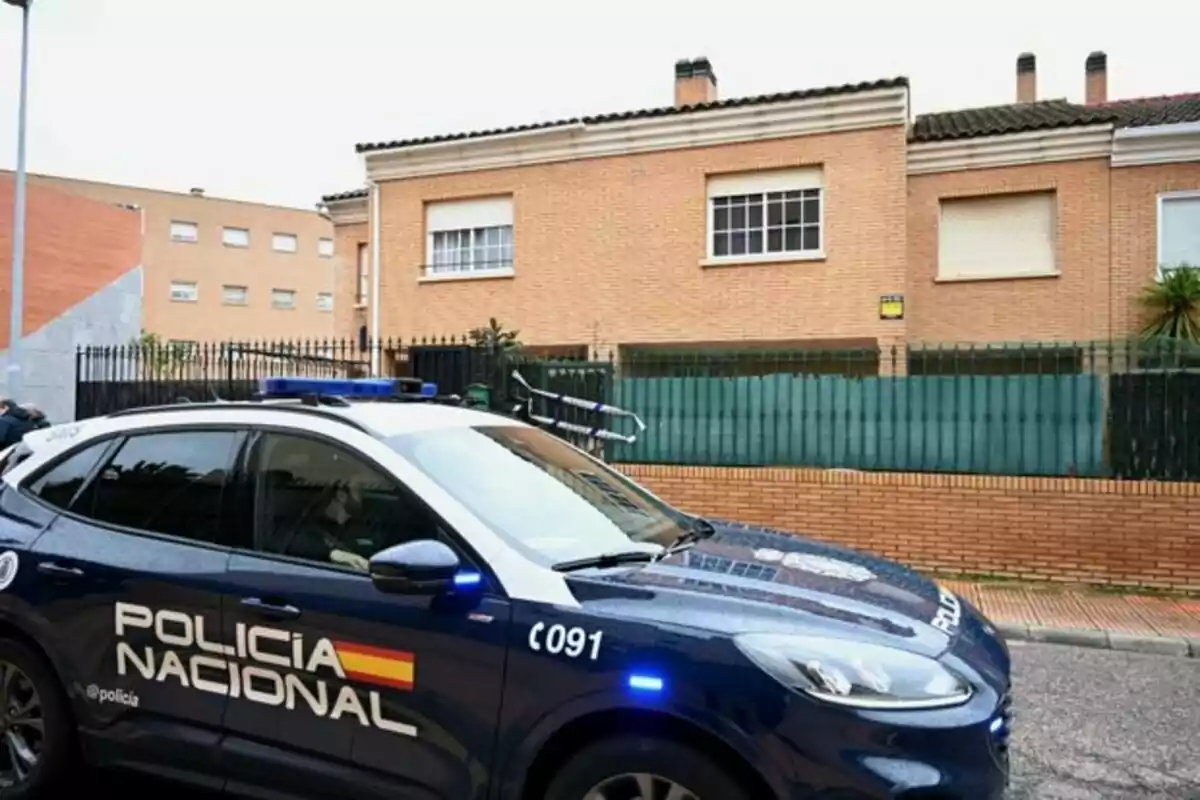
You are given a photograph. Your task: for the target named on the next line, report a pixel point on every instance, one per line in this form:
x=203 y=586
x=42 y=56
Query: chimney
x=694 y=82
x=196 y=192
x=1026 y=78
x=1096 y=71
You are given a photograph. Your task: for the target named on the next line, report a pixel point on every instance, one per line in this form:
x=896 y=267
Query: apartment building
x=821 y=217
x=217 y=269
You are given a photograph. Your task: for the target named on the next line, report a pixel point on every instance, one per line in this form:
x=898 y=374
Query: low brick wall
x=1124 y=533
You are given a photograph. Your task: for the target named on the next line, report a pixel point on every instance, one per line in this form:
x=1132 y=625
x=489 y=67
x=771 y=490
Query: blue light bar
x=429 y=390
x=645 y=683
x=336 y=387
x=468 y=579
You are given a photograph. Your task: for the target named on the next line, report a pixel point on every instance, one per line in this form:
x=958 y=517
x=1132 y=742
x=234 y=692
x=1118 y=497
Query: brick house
x=782 y=220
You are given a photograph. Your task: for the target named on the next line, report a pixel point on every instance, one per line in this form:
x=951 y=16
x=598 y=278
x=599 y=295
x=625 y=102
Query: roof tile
x=664 y=111
x=1012 y=118
x=353 y=194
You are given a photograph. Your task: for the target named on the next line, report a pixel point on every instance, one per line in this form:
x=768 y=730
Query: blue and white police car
x=311 y=596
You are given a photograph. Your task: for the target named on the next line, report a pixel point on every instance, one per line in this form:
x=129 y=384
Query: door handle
x=271 y=610
x=55 y=570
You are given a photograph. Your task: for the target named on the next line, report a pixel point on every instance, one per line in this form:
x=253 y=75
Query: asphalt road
x=1091 y=725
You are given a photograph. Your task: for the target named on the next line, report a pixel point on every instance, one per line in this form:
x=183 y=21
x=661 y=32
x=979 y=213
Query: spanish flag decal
x=392 y=668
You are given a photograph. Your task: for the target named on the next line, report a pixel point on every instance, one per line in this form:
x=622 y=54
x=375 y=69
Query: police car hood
x=746 y=578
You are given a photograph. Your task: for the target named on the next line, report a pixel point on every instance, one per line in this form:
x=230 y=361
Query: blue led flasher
x=463 y=579
x=429 y=390
x=337 y=387
x=642 y=682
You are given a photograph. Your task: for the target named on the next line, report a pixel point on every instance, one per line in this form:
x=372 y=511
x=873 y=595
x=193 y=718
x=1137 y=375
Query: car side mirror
x=425 y=566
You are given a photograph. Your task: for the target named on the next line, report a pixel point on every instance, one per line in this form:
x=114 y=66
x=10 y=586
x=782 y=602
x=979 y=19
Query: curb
x=1103 y=640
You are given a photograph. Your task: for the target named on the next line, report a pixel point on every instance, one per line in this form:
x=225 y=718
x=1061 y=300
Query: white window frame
x=178 y=224
x=363 y=290
x=280 y=238
x=325 y=296
x=763 y=183
x=471 y=217
x=228 y=229
x=225 y=301
x=195 y=292
x=1190 y=194
x=325 y=247
x=291 y=306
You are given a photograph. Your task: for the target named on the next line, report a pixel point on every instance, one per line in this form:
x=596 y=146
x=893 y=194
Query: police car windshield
x=548 y=498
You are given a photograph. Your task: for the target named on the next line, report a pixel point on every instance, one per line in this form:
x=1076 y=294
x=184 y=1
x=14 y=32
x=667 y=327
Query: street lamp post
x=18 y=254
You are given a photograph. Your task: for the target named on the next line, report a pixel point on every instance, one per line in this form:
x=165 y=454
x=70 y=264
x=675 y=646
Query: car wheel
x=37 y=739
x=642 y=768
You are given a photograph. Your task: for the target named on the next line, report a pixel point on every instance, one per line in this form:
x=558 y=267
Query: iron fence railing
x=1127 y=409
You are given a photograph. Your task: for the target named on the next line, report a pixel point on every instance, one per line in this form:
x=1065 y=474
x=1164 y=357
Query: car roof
x=378 y=419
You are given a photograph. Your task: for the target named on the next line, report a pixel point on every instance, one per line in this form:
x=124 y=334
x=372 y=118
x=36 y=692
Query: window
x=324 y=301
x=319 y=503
x=325 y=247
x=167 y=483
x=523 y=482
x=1179 y=230
x=184 y=232
x=766 y=215
x=59 y=486
x=284 y=243
x=184 y=291
x=468 y=237
x=998 y=236
x=235 y=237
x=283 y=298
x=364 y=275
x=234 y=295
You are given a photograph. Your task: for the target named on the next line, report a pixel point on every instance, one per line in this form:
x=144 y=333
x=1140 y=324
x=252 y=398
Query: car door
x=355 y=692
x=129 y=581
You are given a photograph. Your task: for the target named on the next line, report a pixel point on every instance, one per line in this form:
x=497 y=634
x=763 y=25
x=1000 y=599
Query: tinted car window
x=165 y=483
x=320 y=503
x=60 y=485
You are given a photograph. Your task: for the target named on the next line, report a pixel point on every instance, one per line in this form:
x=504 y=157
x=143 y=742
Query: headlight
x=855 y=674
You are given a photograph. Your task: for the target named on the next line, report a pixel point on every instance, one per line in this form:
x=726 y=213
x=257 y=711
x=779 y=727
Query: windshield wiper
x=698 y=529
x=606 y=560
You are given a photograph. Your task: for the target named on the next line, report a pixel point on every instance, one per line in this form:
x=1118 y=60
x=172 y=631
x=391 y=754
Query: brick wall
x=609 y=250
x=1071 y=306
x=1070 y=530
x=348 y=314
x=1135 y=231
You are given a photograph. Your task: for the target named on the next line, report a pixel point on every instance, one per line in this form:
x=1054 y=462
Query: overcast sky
x=265 y=99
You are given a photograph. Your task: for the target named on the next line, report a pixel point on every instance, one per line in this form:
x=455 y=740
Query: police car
x=320 y=596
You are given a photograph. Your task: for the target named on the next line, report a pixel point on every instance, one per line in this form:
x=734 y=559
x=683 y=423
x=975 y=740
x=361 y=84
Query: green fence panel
x=1017 y=424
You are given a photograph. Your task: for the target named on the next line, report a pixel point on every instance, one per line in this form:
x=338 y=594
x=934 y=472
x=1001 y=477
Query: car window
x=168 y=483
x=59 y=486
x=543 y=495
x=321 y=503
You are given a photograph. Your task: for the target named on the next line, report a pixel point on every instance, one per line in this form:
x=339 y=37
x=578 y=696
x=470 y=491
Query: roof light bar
x=348 y=388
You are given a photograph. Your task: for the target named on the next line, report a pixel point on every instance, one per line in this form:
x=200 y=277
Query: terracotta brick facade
x=211 y=265
x=609 y=250
x=1140 y=533
x=1135 y=193
x=348 y=313
x=1075 y=306
x=74 y=247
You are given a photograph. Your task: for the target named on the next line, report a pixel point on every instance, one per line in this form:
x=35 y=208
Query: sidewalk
x=1088 y=618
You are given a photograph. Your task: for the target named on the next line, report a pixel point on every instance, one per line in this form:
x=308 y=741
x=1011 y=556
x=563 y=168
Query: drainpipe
x=376 y=347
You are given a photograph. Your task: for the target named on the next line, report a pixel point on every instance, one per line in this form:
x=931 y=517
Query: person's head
x=346 y=502
x=7 y=404
x=33 y=411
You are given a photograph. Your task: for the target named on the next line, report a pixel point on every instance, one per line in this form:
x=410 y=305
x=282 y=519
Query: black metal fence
x=1125 y=409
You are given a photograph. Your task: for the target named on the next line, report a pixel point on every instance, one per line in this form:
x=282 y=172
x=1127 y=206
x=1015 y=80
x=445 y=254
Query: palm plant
x=494 y=337
x=1173 y=306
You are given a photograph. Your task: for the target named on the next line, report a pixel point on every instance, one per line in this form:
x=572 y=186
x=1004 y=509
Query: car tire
x=58 y=752
x=665 y=758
